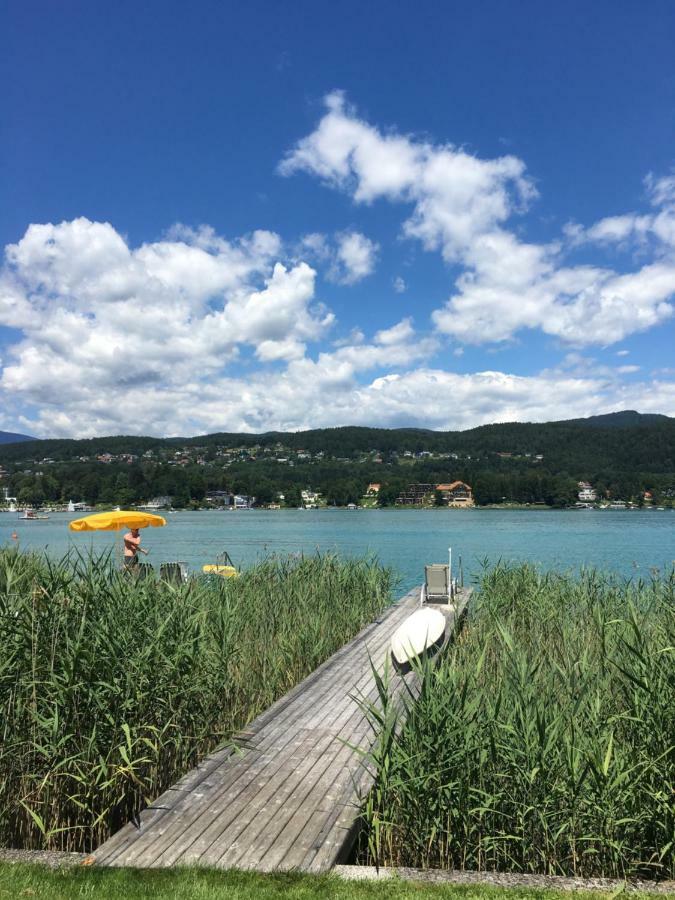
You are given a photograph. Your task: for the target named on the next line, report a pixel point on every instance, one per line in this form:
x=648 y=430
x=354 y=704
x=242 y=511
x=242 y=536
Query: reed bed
x=111 y=687
x=543 y=742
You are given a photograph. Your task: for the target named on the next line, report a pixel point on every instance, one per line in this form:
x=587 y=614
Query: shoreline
x=501 y=507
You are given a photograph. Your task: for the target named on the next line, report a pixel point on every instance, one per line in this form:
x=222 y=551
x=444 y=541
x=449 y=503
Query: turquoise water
x=625 y=542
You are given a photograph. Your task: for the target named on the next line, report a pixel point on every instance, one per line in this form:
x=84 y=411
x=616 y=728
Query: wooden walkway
x=288 y=797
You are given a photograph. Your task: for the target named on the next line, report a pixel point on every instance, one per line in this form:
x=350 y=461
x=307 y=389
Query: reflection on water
x=626 y=542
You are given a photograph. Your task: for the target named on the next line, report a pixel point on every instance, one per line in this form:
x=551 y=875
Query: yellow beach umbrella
x=116 y=520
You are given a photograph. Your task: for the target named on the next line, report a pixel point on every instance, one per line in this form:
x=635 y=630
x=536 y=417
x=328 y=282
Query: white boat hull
x=420 y=631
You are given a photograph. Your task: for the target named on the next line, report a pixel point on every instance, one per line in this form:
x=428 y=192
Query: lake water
x=625 y=542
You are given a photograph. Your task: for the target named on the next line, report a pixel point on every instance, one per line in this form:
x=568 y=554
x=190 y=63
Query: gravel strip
x=498 y=879
x=55 y=859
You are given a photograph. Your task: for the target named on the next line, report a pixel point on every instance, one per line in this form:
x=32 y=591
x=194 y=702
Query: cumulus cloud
x=587 y=366
x=328 y=393
x=354 y=259
x=348 y=256
x=515 y=286
x=461 y=206
x=397 y=334
x=455 y=196
x=155 y=339
x=656 y=228
x=661 y=189
x=87 y=374
x=105 y=325
x=195 y=333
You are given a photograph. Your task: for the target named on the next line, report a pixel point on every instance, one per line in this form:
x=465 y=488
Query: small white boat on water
x=421 y=631
x=32 y=516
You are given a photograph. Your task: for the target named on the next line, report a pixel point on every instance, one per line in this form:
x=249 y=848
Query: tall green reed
x=111 y=688
x=545 y=739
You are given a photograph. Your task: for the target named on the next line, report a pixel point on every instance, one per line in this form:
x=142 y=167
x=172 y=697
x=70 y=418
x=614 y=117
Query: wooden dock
x=288 y=795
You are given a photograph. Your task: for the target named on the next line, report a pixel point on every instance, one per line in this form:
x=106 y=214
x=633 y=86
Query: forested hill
x=9 y=437
x=625 y=440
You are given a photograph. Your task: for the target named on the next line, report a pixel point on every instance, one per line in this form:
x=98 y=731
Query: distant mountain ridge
x=10 y=437
x=628 y=440
x=627 y=418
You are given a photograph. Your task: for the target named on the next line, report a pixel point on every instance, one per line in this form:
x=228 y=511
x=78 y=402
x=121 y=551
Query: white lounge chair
x=437 y=587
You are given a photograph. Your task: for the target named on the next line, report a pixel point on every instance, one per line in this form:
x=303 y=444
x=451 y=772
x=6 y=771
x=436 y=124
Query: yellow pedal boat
x=224 y=567
x=223 y=571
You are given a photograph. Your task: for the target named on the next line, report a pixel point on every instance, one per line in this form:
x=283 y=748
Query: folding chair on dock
x=436 y=587
x=173 y=573
x=439 y=586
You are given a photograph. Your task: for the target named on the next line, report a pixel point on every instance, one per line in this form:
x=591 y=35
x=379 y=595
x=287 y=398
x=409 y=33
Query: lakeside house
x=228 y=500
x=310 y=499
x=157 y=503
x=8 y=501
x=220 y=498
x=455 y=493
x=243 y=501
x=587 y=493
x=417 y=494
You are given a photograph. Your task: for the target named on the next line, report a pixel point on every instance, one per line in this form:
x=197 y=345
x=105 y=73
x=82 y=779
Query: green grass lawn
x=23 y=880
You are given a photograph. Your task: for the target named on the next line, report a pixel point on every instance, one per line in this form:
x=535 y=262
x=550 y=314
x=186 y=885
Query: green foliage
x=544 y=741
x=111 y=688
x=622 y=455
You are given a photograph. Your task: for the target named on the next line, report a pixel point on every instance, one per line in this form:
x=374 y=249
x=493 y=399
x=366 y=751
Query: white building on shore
x=587 y=493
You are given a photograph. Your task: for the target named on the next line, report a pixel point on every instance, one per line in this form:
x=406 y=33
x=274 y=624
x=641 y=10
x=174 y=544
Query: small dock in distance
x=288 y=795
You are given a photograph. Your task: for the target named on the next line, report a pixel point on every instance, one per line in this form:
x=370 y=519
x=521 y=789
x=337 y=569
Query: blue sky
x=220 y=217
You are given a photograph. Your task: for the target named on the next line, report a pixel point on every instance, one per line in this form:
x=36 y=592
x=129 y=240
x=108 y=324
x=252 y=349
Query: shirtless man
x=132 y=547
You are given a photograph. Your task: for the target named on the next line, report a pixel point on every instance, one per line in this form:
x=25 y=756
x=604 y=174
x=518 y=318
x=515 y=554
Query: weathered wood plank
x=286 y=713
x=290 y=797
x=163 y=834
x=233 y=801
x=296 y=797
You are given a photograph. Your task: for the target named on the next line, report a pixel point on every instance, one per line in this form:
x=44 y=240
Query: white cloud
x=455 y=196
x=399 y=285
x=348 y=256
x=195 y=333
x=385 y=381
x=326 y=394
x=355 y=258
x=581 y=305
x=106 y=327
x=634 y=228
x=461 y=206
x=661 y=189
x=117 y=339
x=316 y=246
x=582 y=366
x=398 y=334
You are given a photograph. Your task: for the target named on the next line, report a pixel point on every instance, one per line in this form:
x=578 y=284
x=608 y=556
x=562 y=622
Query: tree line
x=622 y=455
x=123 y=484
